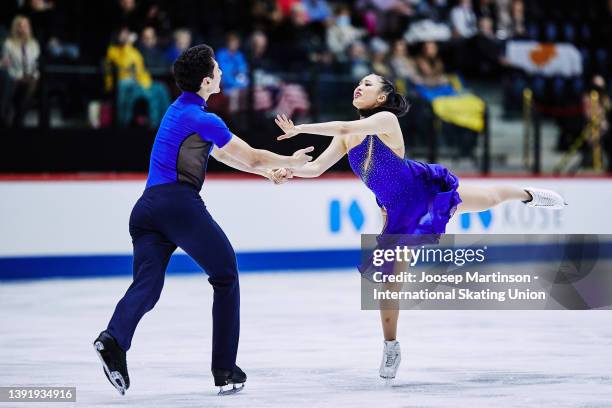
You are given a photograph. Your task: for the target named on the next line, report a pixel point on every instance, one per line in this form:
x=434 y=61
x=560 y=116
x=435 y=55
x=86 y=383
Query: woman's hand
x=286 y=126
x=279 y=176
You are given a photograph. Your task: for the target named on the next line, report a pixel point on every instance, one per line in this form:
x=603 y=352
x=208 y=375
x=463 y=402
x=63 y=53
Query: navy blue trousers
x=168 y=216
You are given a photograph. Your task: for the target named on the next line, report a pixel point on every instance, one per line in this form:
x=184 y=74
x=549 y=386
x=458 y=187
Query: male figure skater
x=170 y=214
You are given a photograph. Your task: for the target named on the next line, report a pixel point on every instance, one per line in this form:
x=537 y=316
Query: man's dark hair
x=192 y=66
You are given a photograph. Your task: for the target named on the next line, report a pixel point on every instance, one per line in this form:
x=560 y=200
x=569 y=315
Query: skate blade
x=114 y=377
x=388 y=381
x=231 y=391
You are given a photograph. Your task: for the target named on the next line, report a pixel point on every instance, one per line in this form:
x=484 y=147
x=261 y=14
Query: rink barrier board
x=29 y=268
x=47 y=228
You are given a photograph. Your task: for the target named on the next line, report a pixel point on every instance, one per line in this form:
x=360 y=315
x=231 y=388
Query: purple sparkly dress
x=419 y=198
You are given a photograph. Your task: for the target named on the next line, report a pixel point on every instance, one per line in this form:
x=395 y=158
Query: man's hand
x=286 y=126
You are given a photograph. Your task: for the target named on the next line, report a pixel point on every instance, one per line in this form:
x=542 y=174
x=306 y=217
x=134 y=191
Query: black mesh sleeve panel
x=192 y=160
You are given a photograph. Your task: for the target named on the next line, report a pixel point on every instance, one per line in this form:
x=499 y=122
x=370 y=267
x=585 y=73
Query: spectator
x=488 y=9
x=259 y=48
x=233 y=64
x=379 y=52
x=270 y=92
x=157 y=18
x=516 y=27
x=341 y=34
x=430 y=66
x=20 y=56
x=359 y=61
x=403 y=66
x=133 y=80
x=502 y=18
x=154 y=58
x=489 y=48
x=463 y=20
x=318 y=10
x=235 y=70
x=182 y=41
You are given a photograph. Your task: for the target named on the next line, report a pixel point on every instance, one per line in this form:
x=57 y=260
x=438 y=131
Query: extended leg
x=151 y=255
x=477 y=198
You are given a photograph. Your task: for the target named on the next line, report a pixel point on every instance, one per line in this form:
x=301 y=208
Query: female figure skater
x=415 y=197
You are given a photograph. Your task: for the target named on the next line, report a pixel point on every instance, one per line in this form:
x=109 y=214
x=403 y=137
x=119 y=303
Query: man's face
x=183 y=40
x=127 y=5
x=149 y=38
x=214 y=83
x=233 y=44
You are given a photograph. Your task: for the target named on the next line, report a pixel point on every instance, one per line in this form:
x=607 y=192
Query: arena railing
x=326 y=103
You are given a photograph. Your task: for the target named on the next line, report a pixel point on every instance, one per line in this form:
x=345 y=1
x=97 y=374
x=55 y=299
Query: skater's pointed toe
x=548 y=199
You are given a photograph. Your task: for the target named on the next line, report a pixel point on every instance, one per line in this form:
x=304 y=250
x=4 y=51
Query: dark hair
x=192 y=66
x=394 y=103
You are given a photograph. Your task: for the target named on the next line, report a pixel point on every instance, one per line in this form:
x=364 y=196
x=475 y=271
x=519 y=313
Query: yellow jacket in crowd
x=129 y=64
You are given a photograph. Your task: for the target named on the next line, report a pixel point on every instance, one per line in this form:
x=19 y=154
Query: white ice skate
x=548 y=199
x=391 y=358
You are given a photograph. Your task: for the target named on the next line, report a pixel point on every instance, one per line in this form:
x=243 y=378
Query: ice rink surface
x=304 y=343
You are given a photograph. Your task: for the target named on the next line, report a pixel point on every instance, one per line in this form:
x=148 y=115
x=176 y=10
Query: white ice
x=304 y=343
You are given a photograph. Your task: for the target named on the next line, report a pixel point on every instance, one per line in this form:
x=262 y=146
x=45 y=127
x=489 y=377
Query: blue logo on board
x=485 y=219
x=354 y=212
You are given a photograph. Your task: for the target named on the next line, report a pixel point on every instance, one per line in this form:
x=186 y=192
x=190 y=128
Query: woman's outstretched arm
x=334 y=152
x=381 y=122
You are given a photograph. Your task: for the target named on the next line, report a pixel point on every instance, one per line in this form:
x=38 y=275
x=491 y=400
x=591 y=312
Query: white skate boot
x=391 y=358
x=541 y=198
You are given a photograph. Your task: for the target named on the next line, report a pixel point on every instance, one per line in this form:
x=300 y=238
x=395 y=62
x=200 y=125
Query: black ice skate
x=113 y=361
x=226 y=377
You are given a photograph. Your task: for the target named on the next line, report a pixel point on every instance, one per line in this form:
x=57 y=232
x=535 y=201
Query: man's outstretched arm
x=228 y=160
x=252 y=158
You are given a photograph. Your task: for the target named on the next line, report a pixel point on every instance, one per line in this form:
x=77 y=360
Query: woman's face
x=517 y=8
x=368 y=93
x=431 y=49
x=399 y=48
x=23 y=27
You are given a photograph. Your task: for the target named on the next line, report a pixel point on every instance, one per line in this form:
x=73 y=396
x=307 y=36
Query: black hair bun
x=397 y=104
